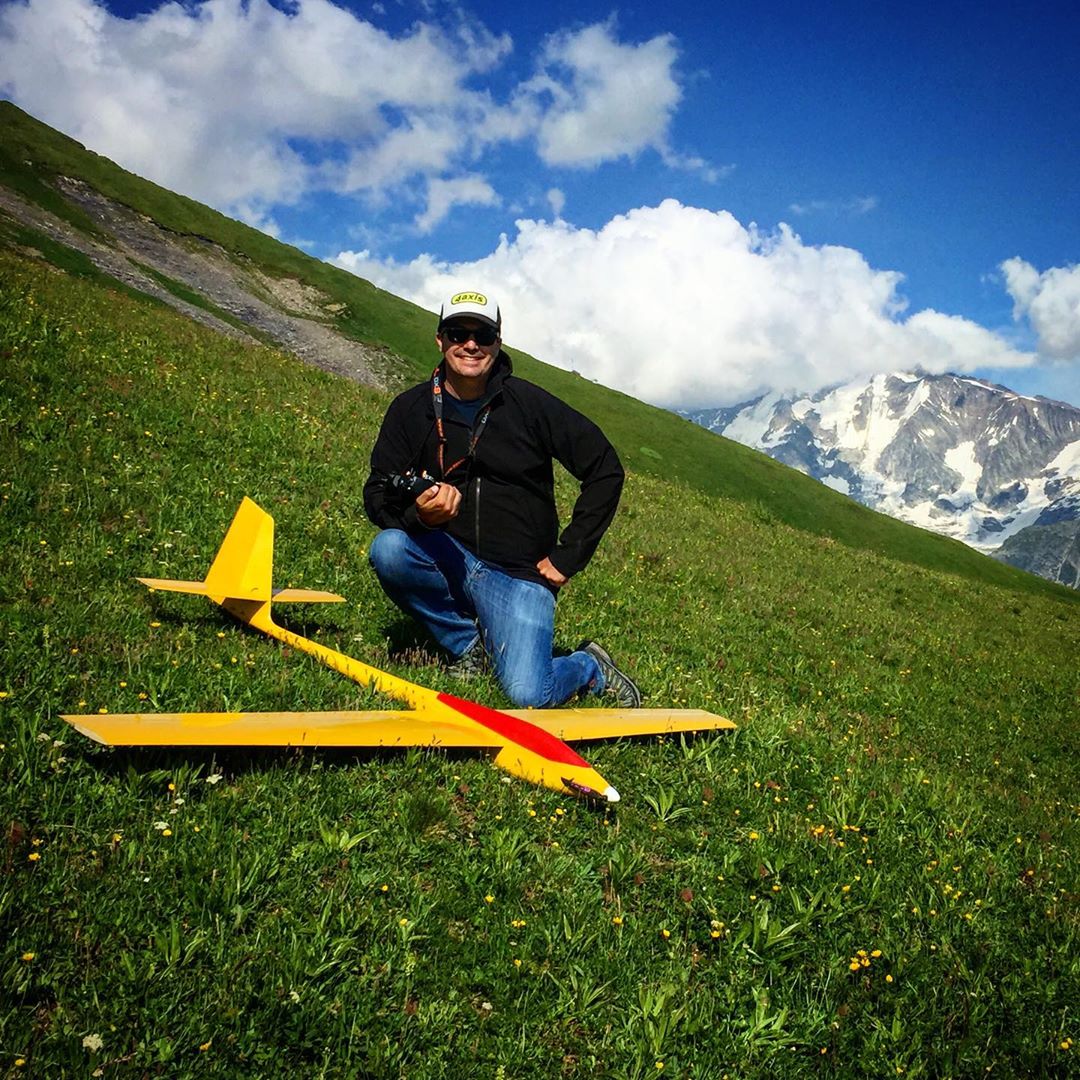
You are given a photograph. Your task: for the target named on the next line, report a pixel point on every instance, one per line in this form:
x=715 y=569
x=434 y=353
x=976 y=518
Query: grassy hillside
x=650 y=440
x=874 y=877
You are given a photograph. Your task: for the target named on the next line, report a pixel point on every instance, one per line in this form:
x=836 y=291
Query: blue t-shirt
x=463 y=410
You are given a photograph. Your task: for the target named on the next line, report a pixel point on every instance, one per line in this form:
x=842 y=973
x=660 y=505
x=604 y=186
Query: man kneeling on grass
x=462 y=486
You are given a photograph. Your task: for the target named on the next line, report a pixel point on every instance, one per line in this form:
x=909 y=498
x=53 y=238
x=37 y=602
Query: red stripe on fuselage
x=519 y=731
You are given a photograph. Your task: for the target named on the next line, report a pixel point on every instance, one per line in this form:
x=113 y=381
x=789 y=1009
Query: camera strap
x=477 y=429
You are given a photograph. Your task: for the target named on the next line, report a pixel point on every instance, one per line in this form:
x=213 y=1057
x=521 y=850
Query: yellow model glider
x=529 y=741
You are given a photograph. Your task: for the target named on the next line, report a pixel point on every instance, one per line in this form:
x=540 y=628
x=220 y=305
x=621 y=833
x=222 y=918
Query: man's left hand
x=549 y=573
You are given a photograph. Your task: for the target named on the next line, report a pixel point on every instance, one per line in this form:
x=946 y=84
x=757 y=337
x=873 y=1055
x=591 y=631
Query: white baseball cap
x=476 y=305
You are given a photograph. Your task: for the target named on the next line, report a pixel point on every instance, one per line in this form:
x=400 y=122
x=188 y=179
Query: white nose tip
x=611 y=794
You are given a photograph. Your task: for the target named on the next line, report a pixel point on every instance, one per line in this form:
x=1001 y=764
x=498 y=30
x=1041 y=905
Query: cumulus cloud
x=604 y=99
x=679 y=305
x=1050 y=301
x=443 y=195
x=246 y=106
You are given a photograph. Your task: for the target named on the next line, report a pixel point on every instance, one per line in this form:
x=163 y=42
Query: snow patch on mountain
x=954 y=454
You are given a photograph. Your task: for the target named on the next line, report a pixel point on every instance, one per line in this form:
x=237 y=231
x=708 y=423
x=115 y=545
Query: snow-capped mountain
x=963 y=457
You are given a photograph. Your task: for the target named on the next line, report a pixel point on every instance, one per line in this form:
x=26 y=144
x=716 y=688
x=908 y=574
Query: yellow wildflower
x=34 y=856
x=27 y=957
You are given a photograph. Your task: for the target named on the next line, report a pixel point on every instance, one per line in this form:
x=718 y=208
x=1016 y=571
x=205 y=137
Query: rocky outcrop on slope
x=235 y=297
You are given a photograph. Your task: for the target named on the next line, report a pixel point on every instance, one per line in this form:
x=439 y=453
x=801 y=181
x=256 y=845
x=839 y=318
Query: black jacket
x=507 y=514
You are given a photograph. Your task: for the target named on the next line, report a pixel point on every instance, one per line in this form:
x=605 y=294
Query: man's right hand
x=438 y=504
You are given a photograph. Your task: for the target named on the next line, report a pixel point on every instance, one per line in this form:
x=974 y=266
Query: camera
x=411 y=484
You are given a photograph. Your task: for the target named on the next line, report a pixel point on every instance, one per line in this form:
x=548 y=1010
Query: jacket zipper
x=476 y=517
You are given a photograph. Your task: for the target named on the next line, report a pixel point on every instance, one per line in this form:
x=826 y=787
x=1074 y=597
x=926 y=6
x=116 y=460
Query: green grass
x=903 y=781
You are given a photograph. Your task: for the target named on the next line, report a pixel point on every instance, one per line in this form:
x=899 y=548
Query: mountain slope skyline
x=80 y=213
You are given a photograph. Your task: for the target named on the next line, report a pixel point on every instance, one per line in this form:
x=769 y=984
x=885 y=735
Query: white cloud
x=443 y=195
x=604 y=99
x=855 y=207
x=246 y=106
x=679 y=305
x=1051 y=303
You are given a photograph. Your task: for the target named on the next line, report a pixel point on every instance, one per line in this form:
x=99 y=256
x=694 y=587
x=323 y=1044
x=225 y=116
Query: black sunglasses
x=458 y=335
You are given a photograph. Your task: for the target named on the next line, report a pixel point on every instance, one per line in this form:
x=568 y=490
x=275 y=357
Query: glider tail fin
x=240 y=577
x=244 y=565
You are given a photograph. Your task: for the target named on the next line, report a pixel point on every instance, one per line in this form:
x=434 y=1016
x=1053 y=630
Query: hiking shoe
x=616 y=682
x=470 y=664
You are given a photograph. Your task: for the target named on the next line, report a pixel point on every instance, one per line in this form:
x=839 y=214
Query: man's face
x=467 y=359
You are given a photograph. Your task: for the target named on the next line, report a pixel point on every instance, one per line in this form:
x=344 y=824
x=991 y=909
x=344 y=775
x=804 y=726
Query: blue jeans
x=462 y=600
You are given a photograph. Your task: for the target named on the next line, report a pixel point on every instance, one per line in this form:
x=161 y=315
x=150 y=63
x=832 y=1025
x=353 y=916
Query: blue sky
x=691 y=203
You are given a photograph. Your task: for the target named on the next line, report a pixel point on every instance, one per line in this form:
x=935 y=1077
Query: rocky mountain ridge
x=978 y=462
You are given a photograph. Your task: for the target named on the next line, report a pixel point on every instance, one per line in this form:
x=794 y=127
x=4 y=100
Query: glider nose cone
x=611 y=794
